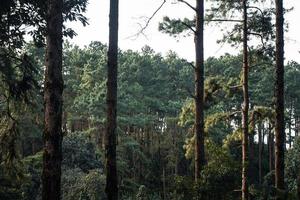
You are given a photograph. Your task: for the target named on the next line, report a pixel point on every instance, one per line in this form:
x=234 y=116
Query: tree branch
x=189 y=5
x=259 y=35
x=233 y=113
x=192 y=65
x=143 y=28
x=235 y=86
x=189 y=27
x=257 y=8
x=224 y=20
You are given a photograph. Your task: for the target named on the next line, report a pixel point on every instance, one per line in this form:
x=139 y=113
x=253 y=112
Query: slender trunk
x=152 y=142
x=298 y=185
x=251 y=169
x=64 y=123
x=23 y=153
x=160 y=168
x=271 y=149
x=175 y=150
x=103 y=140
x=134 y=155
x=245 y=106
x=260 y=152
x=296 y=125
x=73 y=127
x=164 y=184
x=290 y=124
x=142 y=148
x=263 y=139
x=33 y=147
x=148 y=141
x=199 y=91
x=279 y=99
x=52 y=155
x=111 y=100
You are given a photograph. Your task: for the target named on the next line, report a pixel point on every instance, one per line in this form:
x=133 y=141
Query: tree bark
x=298 y=185
x=296 y=125
x=147 y=141
x=245 y=107
x=279 y=99
x=164 y=183
x=260 y=152
x=290 y=124
x=251 y=169
x=271 y=151
x=52 y=155
x=111 y=100
x=199 y=91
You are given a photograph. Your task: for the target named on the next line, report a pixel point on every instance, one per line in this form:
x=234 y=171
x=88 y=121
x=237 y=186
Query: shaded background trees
x=155 y=136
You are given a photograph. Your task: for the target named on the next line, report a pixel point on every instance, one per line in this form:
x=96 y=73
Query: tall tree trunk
x=164 y=183
x=260 y=152
x=296 y=125
x=160 y=161
x=175 y=146
x=103 y=139
x=199 y=91
x=290 y=124
x=298 y=185
x=52 y=155
x=263 y=138
x=271 y=149
x=245 y=107
x=147 y=141
x=111 y=100
x=33 y=146
x=251 y=169
x=279 y=99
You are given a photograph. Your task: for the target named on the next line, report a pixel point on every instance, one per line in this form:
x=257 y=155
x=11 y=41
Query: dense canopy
x=58 y=109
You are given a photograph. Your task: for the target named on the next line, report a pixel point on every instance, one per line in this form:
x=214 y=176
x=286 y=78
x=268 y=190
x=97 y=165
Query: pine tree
x=199 y=91
x=52 y=156
x=245 y=107
x=111 y=101
x=279 y=101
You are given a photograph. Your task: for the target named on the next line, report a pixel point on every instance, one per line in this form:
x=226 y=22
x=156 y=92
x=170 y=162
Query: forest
x=98 y=122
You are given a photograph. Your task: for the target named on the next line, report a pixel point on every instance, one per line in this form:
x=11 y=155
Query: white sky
x=133 y=11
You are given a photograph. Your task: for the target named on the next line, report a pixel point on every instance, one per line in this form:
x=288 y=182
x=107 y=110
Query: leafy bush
x=83 y=186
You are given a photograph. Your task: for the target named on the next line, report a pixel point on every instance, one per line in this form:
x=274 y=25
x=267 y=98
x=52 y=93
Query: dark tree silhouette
x=111 y=100
x=279 y=100
x=51 y=176
x=245 y=107
x=199 y=90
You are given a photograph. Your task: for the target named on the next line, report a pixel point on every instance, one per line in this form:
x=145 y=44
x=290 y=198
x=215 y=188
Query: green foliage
x=20 y=75
x=82 y=169
x=19 y=91
x=12 y=178
x=260 y=23
x=18 y=13
x=221 y=168
x=235 y=136
x=292 y=163
x=142 y=193
x=155 y=122
x=174 y=27
x=183 y=187
x=82 y=173
x=83 y=186
x=33 y=167
x=80 y=152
